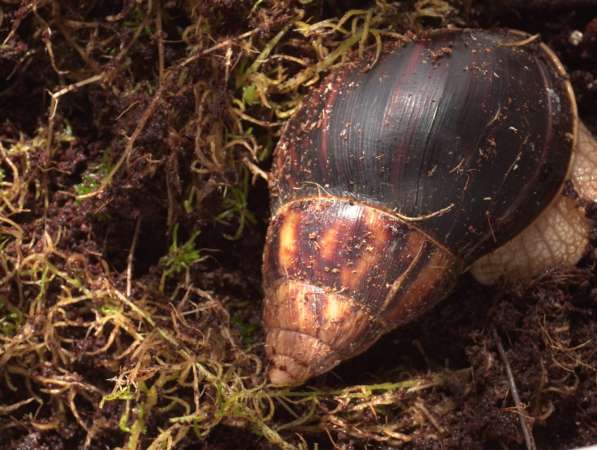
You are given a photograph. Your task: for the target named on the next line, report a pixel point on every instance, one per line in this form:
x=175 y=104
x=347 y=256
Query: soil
x=116 y=194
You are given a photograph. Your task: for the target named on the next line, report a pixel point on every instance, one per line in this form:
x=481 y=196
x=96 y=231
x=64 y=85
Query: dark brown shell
x=465 y=125
x=391 y=180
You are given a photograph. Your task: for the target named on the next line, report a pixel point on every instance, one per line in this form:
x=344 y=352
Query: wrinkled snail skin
x=390 y=181
x=559 y=236
x=584 y=173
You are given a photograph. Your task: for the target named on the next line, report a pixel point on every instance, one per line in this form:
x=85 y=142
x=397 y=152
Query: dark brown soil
x=170 y=188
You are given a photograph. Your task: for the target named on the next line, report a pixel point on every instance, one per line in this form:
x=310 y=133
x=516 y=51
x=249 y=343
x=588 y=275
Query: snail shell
x=390 y=181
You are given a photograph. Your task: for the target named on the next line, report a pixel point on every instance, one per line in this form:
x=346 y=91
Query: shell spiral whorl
x=389 y=182
x=336 y=267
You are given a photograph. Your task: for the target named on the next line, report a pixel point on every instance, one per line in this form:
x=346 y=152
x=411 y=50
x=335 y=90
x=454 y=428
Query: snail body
x=391 y=181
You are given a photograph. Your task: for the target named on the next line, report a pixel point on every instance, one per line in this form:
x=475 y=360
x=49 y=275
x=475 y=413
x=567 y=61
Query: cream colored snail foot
x=584 y=165
x=558 y=237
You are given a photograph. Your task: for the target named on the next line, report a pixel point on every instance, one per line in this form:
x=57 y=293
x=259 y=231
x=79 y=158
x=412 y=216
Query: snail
x=448 y=154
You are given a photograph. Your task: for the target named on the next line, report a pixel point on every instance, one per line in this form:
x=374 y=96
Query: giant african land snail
x=449 y=153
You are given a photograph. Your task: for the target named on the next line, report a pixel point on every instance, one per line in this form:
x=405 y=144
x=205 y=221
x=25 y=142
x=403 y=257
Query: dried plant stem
x=130 y=259
x=528 y=435
x=160 y=40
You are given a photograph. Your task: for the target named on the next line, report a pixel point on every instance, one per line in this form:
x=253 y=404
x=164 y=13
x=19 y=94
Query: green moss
x=236 y=208
x=179 y=257
x=11 y=318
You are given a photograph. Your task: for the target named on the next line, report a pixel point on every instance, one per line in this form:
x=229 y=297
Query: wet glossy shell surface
x=470 y=130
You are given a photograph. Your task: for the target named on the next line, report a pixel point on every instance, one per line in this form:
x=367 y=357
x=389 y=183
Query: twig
x=160 y=39
x=522 y=42
x=217 y=46
x=116 y=62
x=19 y=18
x=528 y=435
x=70 y=88
x=83 y=53
x=130 y=259
x=255 y=169
x=423 y=409
x=7 y=409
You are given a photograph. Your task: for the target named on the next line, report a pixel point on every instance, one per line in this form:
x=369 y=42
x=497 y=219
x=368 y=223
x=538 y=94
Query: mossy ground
x=135 y=138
